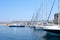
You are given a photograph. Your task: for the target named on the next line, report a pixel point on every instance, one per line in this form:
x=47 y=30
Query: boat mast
x=46 y=11
x=59 y=12
x=59 y=5
x=42 y=12
x=50 y=11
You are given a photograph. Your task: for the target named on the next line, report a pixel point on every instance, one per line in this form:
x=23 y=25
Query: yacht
x=53 y=28
x=16 y=25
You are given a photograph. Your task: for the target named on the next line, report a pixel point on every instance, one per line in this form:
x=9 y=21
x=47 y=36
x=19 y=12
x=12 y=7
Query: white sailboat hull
x=52 y=29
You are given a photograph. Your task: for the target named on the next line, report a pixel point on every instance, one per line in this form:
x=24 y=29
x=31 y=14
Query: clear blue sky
x=22 y=10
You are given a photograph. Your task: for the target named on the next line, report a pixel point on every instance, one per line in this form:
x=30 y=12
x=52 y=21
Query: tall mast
x=59 y=5
x=59 y=12
x=51 y=11
x=46 y=11
x=42 y=12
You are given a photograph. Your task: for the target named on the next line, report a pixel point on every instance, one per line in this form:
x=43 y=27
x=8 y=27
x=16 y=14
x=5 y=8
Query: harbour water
x=24 y=33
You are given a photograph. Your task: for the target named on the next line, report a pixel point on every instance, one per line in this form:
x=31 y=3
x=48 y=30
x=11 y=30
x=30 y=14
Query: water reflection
x=50 y=37
x=26 y=33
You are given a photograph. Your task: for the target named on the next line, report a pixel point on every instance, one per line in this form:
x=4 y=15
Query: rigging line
x=50 y=11
x=38 y=12
x=32 y=17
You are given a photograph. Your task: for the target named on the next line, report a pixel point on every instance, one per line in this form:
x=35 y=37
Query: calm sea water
x=24 y=33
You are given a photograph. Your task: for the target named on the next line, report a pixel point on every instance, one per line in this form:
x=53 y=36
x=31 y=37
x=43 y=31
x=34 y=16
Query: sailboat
x=53 y=28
